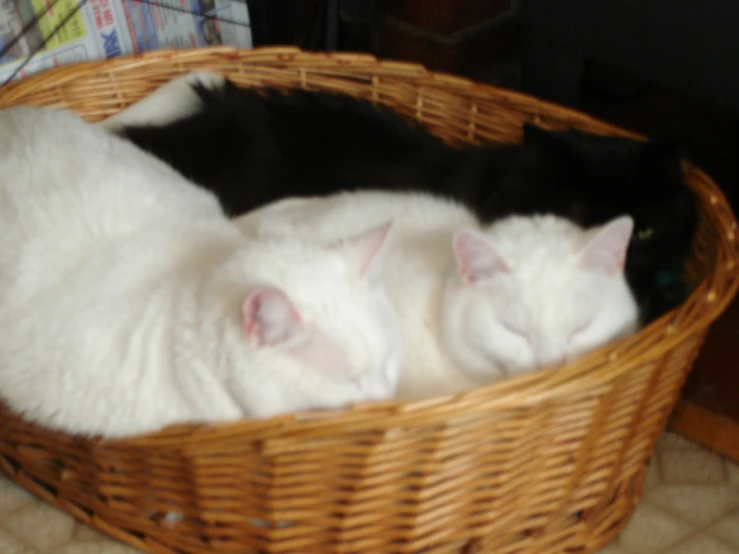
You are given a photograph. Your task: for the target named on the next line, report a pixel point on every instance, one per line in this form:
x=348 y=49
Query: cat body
x=417 y=262
x=130 y=302
x=477 y=305
x=255 y=146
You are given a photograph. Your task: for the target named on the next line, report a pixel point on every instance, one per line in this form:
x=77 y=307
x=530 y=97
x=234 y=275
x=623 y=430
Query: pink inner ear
x=476 y=258
x=269 y=317
x=606 y=250
x=365 y=247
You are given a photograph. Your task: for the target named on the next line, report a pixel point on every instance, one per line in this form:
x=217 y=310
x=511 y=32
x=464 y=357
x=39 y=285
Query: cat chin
x=471 y=361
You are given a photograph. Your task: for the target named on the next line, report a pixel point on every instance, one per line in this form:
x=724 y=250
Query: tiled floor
x=690 y=506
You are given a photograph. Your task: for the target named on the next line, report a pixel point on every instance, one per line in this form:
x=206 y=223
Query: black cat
x=591 y=179
x=252 y=147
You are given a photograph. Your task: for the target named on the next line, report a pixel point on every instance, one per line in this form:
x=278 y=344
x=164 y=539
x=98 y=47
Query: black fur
x=254 y=147
x=251 y=148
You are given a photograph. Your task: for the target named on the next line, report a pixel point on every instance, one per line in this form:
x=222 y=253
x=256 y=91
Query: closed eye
x=516 y=331
x=581 y=328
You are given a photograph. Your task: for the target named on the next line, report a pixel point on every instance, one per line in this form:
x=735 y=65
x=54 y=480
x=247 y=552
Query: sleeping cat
x=130 y=302
x=252 y=147
x=477 y=305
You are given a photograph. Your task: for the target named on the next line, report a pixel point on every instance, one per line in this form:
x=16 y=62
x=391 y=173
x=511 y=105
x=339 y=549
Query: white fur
x=546 y=293
x=130 y=302
x=417 y=260
x=171 y=102
x=456 y=288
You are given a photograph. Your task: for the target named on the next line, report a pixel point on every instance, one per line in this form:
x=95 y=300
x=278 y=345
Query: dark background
x=660 y=67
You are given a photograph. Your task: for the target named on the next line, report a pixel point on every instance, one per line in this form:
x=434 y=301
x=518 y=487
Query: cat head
x=592 y=179
x=532 y=292
x=311 y=324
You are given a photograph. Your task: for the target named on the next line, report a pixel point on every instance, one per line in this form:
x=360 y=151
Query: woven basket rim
x=518 y=391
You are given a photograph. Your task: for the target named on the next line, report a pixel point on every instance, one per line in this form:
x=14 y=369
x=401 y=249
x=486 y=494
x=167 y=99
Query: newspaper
x=104 y=29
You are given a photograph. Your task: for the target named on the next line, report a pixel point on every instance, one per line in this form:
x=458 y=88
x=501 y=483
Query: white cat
x=129 y=302
x=477 y=306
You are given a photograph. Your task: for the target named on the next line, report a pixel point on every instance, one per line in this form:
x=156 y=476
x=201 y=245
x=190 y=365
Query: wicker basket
x=547 y=463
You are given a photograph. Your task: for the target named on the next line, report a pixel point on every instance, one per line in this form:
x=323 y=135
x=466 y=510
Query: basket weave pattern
x=547 y=463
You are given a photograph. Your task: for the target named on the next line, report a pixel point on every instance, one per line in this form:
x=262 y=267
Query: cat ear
x=533 y=132
x=365 y=251
x=541 y=146
x=543 y=138
x=606 y=249
x=663 y=158
x=269 y=317
x=671 y=148
x=476 y=257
